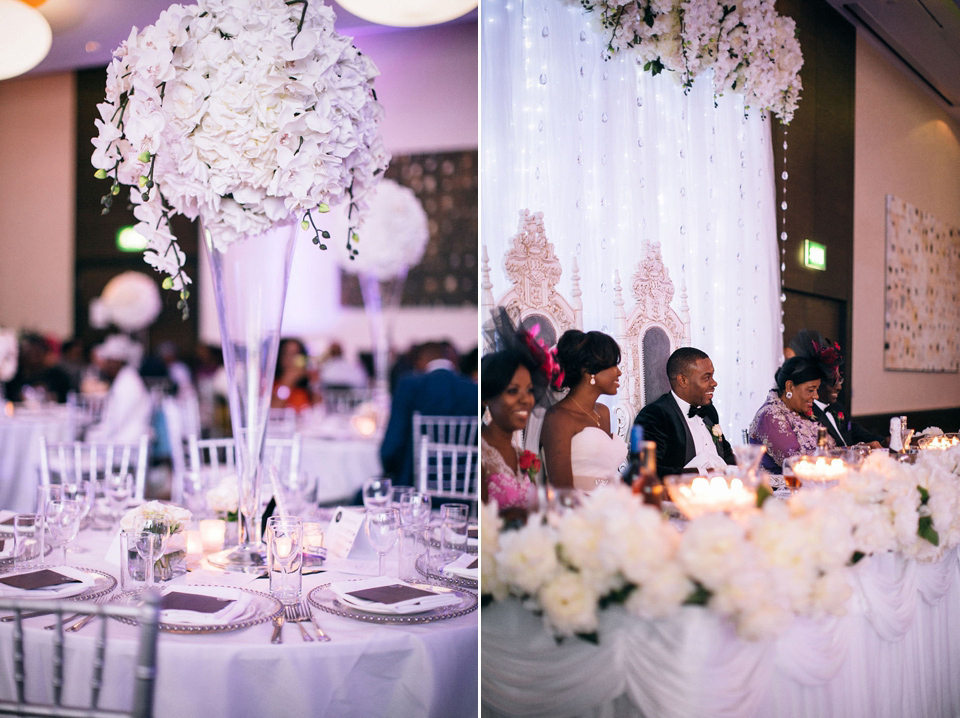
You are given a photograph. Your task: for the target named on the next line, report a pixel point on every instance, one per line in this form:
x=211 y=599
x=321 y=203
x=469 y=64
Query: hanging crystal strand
x=783 y=225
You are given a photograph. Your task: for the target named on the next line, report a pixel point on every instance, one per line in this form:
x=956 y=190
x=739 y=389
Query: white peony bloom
x=569 y=604
x=527 y=557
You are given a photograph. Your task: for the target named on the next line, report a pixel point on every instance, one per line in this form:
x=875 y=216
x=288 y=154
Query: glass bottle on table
x=646 y=482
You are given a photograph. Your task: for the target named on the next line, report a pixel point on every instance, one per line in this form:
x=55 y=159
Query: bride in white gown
x=579 y=448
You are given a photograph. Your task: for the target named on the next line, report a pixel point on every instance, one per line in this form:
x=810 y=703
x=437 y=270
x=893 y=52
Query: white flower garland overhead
x=749 y=47
x=243 y=112
x=395 y=233
x=790 y=558
x=130 y=300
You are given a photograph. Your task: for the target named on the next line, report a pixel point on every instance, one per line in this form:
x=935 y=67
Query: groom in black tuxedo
x=683 y=422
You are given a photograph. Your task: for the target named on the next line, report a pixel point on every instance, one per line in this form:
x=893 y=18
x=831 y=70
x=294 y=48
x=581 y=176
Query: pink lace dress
x=507 y=488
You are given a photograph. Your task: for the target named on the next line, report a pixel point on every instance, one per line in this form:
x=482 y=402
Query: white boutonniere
x=717 y=432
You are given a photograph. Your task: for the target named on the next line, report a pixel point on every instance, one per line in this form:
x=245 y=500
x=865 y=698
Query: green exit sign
x=814 y=255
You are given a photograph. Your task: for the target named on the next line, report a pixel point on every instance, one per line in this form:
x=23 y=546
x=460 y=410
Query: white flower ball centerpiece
x=130 y=300
x=250 y=115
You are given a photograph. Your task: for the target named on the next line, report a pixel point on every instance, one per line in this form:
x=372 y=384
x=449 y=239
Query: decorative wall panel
x=922 y=331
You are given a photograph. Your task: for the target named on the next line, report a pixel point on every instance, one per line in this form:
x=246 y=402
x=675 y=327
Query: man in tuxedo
x=683 y=422
x=434 y=389
x=830 y=414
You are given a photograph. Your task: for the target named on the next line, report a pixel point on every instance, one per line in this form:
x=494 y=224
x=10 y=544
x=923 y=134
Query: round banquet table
x=20 y=451
x=366 y=669
x=338 y=461
x=896 y=653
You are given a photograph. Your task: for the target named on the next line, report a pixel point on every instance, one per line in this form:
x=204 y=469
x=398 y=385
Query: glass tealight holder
x=820 y=472
x=695 y=495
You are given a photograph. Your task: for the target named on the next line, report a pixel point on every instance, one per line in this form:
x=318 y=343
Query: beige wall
x=906 y=145
x=37 y=203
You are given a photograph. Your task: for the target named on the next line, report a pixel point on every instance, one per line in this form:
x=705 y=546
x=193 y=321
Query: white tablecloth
x=20 y=452
x=365 y=670
x=339 y=466
x=896 y=654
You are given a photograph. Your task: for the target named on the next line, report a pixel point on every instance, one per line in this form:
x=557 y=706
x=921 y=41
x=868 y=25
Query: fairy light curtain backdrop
x=614 y=157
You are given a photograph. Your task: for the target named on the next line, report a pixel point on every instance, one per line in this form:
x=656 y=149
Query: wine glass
x=415 y=509
x=158 y=526
x=85 y=494
x=377 y=493
x=748 y=458
x=382 y=526
x=62 y=519
x=119 y=489
x=148 y=548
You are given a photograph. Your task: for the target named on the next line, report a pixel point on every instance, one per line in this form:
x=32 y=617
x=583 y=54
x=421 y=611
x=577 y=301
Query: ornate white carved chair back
x=647 y=337
x=533 y=269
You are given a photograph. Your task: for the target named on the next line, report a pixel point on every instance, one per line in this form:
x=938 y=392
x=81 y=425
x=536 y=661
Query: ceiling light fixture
x=409 y=13
x=25 y=38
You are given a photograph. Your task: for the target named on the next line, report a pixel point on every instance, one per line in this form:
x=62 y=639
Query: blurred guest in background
x=38 y=376
x=74 y=361
x=434 y=389
x=338 y=372
x=127 y=410
x=291 y=385
x=469 y=366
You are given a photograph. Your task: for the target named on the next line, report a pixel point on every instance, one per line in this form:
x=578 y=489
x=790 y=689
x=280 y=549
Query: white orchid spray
x=746 y=44
x=242 y=112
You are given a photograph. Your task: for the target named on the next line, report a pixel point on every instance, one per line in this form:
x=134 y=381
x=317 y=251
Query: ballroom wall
x=429 y=90
x=36 y=203
x=908 y=146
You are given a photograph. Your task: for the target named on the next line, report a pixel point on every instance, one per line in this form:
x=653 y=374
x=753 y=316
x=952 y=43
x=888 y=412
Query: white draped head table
x=366 y=669
x=895 y=654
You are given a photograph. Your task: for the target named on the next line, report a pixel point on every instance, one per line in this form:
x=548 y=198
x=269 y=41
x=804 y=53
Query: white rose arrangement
x=224 y=498
x=748 y=47
x=175 y=548
x=785 y=559
x=241 y=112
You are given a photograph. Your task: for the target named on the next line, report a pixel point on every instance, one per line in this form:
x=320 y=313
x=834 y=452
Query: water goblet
x=397 y=494
x=382 y=529
x=415 y=509
x=377 y=492
x=62 y=519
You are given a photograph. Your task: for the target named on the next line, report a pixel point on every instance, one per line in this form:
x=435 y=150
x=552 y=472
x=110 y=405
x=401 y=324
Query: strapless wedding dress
x=595 y=458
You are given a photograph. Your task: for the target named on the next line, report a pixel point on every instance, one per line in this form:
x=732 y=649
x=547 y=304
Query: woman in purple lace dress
x=785 y=423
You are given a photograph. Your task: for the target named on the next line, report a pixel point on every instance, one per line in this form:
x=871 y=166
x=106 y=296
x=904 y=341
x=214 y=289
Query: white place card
x=342 y=532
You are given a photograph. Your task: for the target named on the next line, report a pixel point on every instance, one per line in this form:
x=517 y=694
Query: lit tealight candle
x=212 y=532
x=194 y=543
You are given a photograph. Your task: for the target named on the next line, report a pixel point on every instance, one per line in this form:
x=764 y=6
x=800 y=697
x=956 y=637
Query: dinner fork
x=291 y=613
x=305 y=611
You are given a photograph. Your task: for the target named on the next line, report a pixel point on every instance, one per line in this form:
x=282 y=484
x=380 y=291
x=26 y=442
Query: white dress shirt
x=823 y=408
x=707 y=456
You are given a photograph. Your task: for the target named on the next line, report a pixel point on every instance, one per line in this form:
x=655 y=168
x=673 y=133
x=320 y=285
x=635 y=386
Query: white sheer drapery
x=613 y=157
x=896 y=653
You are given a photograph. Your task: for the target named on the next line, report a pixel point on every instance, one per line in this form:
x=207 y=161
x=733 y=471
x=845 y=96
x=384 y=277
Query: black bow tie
x=700 y=411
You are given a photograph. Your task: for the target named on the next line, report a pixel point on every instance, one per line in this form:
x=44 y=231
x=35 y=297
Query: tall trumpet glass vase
x=250 y=278
x=380 y=300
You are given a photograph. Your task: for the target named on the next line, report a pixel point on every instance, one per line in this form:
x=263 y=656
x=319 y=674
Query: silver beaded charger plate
x=103 y=583
x=433 y=534
x=326 y=600
x=426 y=569
x=8 y=562
x=264 y=607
